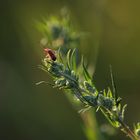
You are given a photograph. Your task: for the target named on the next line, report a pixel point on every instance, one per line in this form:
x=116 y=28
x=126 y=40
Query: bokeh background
x=30 y=112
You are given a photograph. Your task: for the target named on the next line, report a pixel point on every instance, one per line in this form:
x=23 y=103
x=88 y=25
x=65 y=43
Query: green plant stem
x=127 y=130
x=90 y=126
x=124 y=128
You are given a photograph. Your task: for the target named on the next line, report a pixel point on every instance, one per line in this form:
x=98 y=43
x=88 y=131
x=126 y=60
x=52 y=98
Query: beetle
x=50 y=53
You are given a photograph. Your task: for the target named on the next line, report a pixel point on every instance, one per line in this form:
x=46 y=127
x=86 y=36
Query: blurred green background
x=30 y=112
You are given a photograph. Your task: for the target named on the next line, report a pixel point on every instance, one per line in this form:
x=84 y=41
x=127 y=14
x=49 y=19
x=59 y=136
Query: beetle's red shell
x=50 y=53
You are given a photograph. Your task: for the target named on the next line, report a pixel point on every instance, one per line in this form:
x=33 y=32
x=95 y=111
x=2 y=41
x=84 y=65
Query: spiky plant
x=73 y=77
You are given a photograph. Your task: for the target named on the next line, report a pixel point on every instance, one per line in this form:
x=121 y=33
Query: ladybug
x=50 y=53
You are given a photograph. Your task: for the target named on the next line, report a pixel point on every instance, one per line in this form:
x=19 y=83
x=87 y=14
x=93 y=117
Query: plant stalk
x=127 y=130
x=124 y=127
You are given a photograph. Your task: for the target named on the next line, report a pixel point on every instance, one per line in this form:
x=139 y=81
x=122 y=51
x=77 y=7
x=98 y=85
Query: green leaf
x=137 y=129
x=69 y=59
x=60 y=56
x=85 y=72
x=108 y=117
x=123 y=110
x=109 y=93
x=118 y=101
x=73 y=59
x=84 y=109
x=44 y=82
x=113 y=84
x=104 y=93
x=43 y=68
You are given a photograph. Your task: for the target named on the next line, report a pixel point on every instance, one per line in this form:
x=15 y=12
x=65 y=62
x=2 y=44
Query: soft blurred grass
x=30 y=112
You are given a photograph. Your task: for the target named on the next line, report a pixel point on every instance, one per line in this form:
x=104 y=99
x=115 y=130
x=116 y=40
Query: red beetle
x=50 y=53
